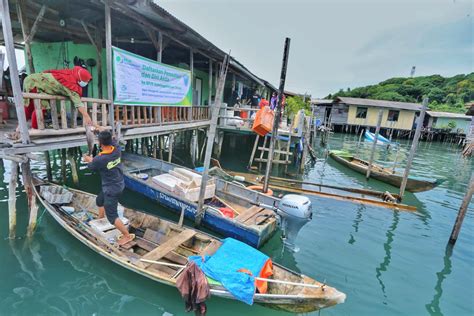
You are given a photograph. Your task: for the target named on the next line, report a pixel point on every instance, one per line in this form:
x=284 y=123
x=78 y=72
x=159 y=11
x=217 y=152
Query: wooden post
x=211 y=135
x=108 y=54
x=49 y=173
x=372 y=153
x=254 y=149
x=170 y=148
x=191 y=68
x=72 y=163
x=12 y=199
x=306 y=133
x=414 y=145
x=14 y=77
x=30 y=195
x=210 y=82
x=276 y=123
x=358 y=143
x=63 y=164
x=396 y=159
x=462 y=212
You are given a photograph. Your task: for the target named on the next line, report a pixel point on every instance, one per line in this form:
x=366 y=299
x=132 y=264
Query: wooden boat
x=169 y=245
x=380 y=173
x=251 y=224
x=354 y=195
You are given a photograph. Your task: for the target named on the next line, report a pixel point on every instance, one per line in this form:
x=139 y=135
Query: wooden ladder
x=265 y=148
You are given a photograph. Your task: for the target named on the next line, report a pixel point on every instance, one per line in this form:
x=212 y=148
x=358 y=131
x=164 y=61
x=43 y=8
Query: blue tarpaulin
x=224 y=264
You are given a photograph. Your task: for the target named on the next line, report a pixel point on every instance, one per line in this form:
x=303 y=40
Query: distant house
x=364 y=112
x=458 y=123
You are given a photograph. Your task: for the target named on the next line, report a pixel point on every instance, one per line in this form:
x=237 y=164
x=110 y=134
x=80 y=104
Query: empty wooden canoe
x=380 y=173
x=159 y=239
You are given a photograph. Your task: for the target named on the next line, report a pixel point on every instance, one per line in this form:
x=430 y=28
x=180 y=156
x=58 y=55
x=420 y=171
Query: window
x=393 y=116
x=361 y=113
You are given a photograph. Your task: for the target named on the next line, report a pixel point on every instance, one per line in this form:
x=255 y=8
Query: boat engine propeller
x=293 y=212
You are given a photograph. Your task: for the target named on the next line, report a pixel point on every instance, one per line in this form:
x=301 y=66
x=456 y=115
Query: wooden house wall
x=405 y=118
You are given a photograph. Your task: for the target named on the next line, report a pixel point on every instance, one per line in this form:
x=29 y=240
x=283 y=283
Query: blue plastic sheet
x=224 y=264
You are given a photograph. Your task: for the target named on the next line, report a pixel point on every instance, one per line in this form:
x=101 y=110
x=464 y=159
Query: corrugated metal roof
x=449 y=115
x=321 y=101
x=380 y=103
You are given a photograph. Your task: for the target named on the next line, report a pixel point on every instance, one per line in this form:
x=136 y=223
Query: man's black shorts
x=110 y=203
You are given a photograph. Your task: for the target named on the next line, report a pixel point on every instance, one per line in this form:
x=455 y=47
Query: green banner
x=142 y=81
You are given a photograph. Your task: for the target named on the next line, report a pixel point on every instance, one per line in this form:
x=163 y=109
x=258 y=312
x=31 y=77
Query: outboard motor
x=294 y=212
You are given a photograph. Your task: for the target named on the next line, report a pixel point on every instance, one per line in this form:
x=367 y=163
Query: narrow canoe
x=251 y=224
x=370 y=137
x=172 y=244
x=380 y=173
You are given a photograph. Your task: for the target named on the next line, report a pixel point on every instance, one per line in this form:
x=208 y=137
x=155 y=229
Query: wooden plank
x=169 y=245
x=211 y=248
x=125 y=115
x=259 y=217
x=276 y=151
x=94 y=113
x=172 y=256
x=39 y=113
x=132 y=114
x=74 y=115
x=274 y=161
x=248 y=213
x=54 y=113
x=63 y=114
x=139 y=115
x=104 y=114
x=29 y=95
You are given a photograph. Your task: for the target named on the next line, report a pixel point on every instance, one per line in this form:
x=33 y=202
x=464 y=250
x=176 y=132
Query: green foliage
x=296 y=103
x=445 y=94
x=452 y=124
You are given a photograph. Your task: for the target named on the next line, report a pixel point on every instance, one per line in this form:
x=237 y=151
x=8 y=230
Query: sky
x=337 y=43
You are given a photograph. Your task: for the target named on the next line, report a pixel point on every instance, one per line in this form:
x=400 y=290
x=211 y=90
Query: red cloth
x=70 y=77
x=264 y=102
x=194 y=288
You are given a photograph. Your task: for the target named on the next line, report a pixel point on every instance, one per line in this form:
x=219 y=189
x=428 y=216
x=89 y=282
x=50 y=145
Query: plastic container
x=263 y=123
x=55 y=194
x=166 y=181
x=227 y=212
x=244 y=114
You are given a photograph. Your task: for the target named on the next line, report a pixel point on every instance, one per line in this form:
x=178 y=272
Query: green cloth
x=47 y=84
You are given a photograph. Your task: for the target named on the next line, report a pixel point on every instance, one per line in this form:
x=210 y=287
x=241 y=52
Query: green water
x=388 y=263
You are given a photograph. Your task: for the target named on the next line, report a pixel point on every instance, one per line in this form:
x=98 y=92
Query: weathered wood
x=21 y=12
x=414 y=145
x=30 y=195
x=49 y=173
x=54 y=113
x=12 y=199
x=279 y=107
x=108 y=54
x=372 y=153
x=63 y=164
x=155 y=145
x=39 y=114
x=132 y=114
x=125 y=115
x=211 y=137
x=170 y=147
x=41 y=96
x=94 y=113
x=462 y=212
x=74 y=115
x=104 y=115
x=72 y=163
x=62 y=104
x=250 y=212
x=169 y=245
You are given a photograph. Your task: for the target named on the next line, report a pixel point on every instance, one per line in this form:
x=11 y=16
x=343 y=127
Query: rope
x=40 y=218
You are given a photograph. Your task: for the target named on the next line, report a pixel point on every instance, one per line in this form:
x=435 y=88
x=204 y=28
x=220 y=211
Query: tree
x=296 y=103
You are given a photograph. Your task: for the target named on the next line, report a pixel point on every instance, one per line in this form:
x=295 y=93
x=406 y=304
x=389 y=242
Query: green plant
x=296 y=103
x=451 y=124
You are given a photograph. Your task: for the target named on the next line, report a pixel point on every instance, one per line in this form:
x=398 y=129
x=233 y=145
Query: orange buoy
x=259 y=188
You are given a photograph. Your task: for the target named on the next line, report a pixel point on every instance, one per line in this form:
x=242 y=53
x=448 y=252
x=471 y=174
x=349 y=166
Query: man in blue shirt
x=108 y=164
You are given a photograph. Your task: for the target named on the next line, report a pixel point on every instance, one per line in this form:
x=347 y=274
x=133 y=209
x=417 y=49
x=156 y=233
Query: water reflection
x=388 y=252
x=433 y=307
x=357 y=220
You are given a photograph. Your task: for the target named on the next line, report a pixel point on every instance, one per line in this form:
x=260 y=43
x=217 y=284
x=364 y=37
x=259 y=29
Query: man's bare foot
x=125 y=239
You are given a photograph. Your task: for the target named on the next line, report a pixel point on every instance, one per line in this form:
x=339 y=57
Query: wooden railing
x=64 y=119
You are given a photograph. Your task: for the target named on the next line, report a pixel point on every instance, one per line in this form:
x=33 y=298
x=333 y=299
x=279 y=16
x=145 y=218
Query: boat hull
x=288 y=302
x=225 y=226
x=412 y=185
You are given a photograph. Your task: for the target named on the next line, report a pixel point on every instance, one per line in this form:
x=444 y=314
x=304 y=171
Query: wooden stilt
x=162 y=145
x=72 y=163
x=47 y=161
x=30 y=195
x=306 y=144
x=63 y=164
x=377 y=130
x=12 y=199
x=252 y=156
x=462 y=212
x=155 y=144
x=170 y=149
